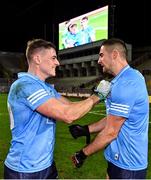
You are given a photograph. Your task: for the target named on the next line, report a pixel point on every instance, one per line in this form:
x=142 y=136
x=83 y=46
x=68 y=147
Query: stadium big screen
x=87 y=28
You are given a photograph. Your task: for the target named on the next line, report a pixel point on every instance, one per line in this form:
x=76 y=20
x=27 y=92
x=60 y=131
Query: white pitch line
x=99 y=105
x=97 y=113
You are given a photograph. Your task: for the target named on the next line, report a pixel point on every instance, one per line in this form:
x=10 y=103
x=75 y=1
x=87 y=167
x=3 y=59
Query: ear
x=114 y=54
x=37 y=59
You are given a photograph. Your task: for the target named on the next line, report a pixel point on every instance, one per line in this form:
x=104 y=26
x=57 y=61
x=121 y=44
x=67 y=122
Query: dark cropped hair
x=37 y=45
x=117 y=43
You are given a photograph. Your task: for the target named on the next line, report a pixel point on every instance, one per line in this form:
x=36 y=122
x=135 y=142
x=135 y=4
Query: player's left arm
x=107 y=135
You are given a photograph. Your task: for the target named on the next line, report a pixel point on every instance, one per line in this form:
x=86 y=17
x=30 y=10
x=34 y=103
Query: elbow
x=112 y=134
x=68 y=119
x=70 y=115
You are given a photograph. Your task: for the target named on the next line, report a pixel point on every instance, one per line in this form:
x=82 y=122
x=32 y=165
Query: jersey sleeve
x=36 y=94
x=122 y=99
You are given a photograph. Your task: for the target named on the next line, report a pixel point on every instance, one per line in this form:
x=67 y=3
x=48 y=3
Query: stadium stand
x=78 y=72
x=10 y=65
x=80 y=82
x=79 y=67
x=143 y=64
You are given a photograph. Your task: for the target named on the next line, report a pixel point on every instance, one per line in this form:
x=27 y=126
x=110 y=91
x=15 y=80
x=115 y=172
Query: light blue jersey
x=73 y=40
x=129 y=99
x=86 y=34
x=33 y=134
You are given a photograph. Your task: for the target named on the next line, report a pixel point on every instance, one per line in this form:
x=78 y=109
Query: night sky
x=27 y=19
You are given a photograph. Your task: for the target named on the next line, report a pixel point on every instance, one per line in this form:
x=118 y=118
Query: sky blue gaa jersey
x=129 y=99
x=33 y=134
x=86 y=34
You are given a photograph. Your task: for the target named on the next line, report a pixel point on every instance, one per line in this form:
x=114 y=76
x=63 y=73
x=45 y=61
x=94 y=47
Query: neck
x=35 y=72
x=119 y=67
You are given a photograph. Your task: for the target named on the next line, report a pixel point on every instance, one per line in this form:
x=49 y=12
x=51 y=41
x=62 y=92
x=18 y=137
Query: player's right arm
x=61 y=109
x=67 y=112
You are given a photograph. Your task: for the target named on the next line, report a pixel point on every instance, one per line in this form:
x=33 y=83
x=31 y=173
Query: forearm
x=99 y=143
x=79 y=109
x=97 y=126
x=64 y=111
x=109 y=133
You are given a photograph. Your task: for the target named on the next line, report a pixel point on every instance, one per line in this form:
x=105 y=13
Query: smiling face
x=43 y=63
x=42 y=58
x=73 y=28
x=48 y=62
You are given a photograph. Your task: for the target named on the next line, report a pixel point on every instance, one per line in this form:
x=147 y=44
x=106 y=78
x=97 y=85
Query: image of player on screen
x=72 y=36
x=87 y=31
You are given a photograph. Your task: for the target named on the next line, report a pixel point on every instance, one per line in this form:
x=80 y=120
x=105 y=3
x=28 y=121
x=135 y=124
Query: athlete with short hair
x=34 y=107
x=87 y=31
x=123 y=133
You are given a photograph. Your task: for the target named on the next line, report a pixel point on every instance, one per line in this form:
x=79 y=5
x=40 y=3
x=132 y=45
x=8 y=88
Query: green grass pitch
x=95 y=165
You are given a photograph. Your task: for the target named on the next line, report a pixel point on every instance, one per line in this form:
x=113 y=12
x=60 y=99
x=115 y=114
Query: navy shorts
x=48 y=173
x=115 y=172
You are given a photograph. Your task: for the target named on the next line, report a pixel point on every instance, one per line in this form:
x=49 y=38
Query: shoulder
x=133 y=74
x=130 y=78
x=26 y=86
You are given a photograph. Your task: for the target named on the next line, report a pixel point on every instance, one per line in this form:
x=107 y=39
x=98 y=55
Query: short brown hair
x=37 y=44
